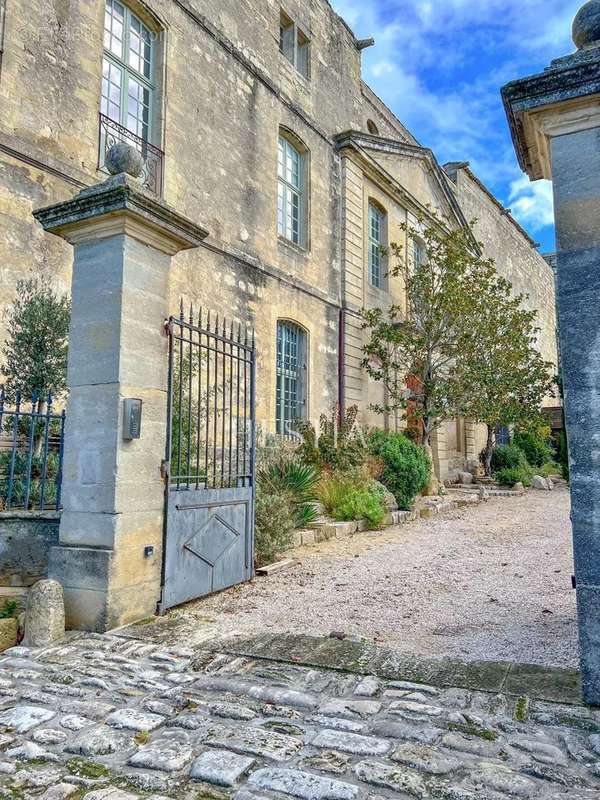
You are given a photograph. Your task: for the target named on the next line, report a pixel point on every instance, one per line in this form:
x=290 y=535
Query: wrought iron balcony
x=152 y=174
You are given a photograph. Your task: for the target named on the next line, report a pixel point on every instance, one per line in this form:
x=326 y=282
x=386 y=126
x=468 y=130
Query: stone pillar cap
x=121 y=205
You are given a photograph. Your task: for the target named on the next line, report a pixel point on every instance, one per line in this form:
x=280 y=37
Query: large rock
x=390 y=501
x=540 y=483
x=466 y=478
x=45 y=614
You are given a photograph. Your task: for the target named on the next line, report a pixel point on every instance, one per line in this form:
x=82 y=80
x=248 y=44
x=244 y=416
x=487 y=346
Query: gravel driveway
x=491 y=582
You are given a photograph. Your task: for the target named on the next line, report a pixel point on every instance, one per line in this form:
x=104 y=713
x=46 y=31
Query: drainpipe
x=341 y=363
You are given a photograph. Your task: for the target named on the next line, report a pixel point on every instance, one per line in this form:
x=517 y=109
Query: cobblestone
x=264 y=729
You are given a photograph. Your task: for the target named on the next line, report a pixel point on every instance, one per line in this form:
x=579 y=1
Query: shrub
x=9 y=610
x=297 y=483
x=274 y=523
x=362 y=503
x=338 y=447
x=536 y=448
x=407 y=468
x=508 y=476
x=353 y=497
x=550 y=468
x=507 y=456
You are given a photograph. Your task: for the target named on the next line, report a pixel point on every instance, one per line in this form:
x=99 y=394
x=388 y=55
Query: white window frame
x=375 y=244
x=294 y=44
x=292 y=194
x=291 y=369
x=419 y=253
x=129 y=73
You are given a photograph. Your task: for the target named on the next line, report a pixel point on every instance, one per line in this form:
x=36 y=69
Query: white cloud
x=532 y=203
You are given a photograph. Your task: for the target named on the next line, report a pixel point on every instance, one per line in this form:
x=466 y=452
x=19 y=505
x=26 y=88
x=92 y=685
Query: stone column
x=555 y=123
x=109 y=556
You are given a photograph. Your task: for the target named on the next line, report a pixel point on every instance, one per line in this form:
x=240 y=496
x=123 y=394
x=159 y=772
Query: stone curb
x=551 y=684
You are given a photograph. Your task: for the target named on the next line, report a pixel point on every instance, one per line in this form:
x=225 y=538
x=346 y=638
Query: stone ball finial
x=586 y=26
x=124 y=157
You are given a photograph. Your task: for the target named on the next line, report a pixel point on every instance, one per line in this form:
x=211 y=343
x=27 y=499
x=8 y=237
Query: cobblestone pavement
x=115 y=718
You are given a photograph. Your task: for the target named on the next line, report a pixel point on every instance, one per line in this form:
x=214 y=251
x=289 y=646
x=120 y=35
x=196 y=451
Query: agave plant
x=298 y=482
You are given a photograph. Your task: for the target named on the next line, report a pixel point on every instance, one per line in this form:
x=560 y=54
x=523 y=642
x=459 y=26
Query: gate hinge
x=165 y=468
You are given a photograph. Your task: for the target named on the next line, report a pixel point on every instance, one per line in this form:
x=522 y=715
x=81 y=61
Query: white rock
x=220 y=767
x=23 y=718
x=368 y=687
x=302 y=784
x=540 y=483
x=134 y=720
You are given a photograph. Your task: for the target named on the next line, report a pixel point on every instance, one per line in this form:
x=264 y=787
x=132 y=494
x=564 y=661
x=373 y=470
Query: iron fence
x=152 y=173
x=31 y=454
x=211 y=402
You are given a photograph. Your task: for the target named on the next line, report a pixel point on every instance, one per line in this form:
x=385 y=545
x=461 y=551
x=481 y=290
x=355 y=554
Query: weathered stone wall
x=224 y=91
x=25 y=542
x=515 y=253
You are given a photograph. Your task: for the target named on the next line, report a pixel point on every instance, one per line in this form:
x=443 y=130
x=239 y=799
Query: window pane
x=302 y=57
x=375 y=245
x=112 y=79
x=114 y=16
x=286 y=38
x=139 y=57
x=138 y=108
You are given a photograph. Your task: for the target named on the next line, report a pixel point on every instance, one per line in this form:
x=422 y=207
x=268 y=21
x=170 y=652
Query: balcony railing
x=152 y=173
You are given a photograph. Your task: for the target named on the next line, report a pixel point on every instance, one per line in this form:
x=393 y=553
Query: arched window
x=372 y=127
x=292 y=191
x=128 y=70
x=376 y=232
x=291 y=376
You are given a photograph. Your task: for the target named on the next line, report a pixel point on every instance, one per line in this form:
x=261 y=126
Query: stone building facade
x=266 y=135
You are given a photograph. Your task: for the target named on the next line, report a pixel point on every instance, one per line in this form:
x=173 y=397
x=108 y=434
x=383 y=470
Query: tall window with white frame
x=291 y=375
x=128 y=70
x=376 y=245
x=129 y=91
x=291 y=193
x=419 y=253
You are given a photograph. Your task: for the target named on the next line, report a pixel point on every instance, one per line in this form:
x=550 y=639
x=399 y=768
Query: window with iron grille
x=291 y=193
x=376 y=228
x=290 y=399
x=128 y=70
x=294 y=45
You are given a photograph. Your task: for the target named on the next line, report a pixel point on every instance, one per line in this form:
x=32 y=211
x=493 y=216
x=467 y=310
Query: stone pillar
x=109 y=556
x=471 y=449
x=555 y=123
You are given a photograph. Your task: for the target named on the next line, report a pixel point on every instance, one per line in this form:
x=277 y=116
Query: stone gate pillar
x=109 y=556
x=555 y=123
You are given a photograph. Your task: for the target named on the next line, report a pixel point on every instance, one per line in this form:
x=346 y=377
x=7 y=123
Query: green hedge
x=406 y=465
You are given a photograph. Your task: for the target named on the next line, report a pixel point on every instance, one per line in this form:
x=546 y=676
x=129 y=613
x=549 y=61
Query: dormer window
x=294 y=44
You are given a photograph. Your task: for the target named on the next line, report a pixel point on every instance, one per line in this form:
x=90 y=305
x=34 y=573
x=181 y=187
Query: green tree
x=462 y=346
x=505 y=378
x=36 y=347
x=414 y=351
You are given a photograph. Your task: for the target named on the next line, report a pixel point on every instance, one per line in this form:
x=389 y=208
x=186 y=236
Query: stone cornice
x=120 y=206
x=360 y=143
x=531 y=106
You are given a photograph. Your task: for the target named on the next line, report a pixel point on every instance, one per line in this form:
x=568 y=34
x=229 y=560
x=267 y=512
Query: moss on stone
x=584 y=724
x=522 y=709
x=87 y=769
x=470 y=729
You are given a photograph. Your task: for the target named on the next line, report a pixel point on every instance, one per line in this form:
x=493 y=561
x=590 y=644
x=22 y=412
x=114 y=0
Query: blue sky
x=439 y=65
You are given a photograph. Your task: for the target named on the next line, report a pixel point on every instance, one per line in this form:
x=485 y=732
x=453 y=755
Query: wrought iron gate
x=209 y=515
